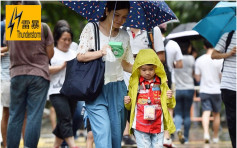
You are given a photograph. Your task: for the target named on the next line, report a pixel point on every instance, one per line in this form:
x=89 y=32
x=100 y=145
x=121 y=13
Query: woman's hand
x=104 y=49
x=58 y=68
x=127 y=99
x=169 y=94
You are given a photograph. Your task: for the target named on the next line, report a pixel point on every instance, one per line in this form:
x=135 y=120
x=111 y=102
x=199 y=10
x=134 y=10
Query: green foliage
x=54 y=11
x=191 y=11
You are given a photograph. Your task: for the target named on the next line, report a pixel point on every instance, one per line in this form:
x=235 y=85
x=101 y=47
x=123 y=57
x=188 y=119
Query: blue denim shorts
x=211 y=102
x=147 y=140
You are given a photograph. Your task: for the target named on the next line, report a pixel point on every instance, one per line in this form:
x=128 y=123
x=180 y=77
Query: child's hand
x=169 y=93
x=127 y=99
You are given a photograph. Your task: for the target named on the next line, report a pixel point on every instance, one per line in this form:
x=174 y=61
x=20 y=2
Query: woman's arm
x=89 y=56
x=56 y=69
x=127 y=66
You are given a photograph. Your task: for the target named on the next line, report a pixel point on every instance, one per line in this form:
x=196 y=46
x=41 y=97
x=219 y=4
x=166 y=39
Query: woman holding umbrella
x=107 y=113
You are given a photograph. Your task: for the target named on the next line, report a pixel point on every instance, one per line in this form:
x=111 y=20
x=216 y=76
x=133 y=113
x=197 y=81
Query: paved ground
x=196 y=138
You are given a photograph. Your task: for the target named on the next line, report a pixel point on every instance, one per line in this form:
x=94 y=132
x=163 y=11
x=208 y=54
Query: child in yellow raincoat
x=149 y=101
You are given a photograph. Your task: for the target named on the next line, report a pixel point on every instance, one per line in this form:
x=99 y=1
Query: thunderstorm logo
x=17 y=16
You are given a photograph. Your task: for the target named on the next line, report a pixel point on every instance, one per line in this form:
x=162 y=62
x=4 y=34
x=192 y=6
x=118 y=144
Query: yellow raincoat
x=148 y=56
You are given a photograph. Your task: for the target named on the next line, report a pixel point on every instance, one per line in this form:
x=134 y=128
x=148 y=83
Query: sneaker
x=207 y=138
x=127 y=140
x=168 y=143
x=181 y=137
x=186 y=142
x=215 y=140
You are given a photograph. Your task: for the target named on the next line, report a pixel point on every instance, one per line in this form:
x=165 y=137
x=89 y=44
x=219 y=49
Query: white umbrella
x=184 y=32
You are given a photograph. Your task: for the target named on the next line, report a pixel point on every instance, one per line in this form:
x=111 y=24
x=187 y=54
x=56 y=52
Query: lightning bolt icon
x=18 y=16
x=11 y=24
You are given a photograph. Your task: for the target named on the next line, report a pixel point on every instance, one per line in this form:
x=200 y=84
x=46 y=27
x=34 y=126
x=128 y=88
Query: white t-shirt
x=210 y=71
x=141 y=40
x=173 y=53
x=158 y=39
x=184 y=76
x=113 y=70
x=57 y=79
x=228 y=80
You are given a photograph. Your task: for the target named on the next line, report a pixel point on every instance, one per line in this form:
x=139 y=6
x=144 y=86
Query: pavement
x=196 y=137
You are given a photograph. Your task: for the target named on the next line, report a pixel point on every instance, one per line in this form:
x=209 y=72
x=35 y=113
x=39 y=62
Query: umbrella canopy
x=143 y=14
x=221 y=19
x=184 y=32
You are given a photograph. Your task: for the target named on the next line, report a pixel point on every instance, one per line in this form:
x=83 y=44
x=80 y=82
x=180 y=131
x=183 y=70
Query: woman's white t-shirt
x=57 y=79
x=113 y=70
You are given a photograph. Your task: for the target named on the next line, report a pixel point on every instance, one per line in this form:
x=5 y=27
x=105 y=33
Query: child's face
x=147 y=71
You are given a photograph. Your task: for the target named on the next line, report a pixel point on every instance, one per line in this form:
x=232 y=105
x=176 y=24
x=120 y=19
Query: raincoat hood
x=148 y=56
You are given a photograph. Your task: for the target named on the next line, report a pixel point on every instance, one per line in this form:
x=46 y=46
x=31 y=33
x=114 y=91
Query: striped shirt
x=228 y=80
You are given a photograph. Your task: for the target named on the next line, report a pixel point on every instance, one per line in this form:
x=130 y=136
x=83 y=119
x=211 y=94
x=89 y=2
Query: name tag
x=150 y=112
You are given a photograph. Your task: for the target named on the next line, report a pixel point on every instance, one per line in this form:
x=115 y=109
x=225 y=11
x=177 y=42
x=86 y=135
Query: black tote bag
x=84 y=80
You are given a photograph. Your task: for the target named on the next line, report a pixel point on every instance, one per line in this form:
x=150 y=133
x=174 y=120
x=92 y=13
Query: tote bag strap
x=97 y=36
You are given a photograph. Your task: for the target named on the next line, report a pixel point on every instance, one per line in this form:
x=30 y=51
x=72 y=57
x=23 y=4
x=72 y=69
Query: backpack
x=151 y=45
x=227 y=43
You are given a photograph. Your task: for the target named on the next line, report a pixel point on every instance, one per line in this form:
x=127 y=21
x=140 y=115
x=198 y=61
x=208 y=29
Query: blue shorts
x=211 y=102
x=147 y=140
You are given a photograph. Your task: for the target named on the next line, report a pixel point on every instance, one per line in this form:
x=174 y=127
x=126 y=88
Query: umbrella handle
x=110 y=32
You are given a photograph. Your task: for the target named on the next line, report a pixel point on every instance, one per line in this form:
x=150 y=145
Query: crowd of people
x=136 y=101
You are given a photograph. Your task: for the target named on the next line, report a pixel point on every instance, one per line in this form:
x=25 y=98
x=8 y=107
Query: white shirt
x=140 y=41
x=57 y=79
x=158 y=39
x=228 y=80
x=184 y=76
x=173 y=53
x=113 y=70
x=210 y=71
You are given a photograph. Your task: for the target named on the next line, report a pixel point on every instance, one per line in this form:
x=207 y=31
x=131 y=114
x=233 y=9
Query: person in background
x=228 y=80
x=173 y=60
x=208 y=72
x=29 y=82
x=139 y=40
x=107 y=113
x=184 y=84
x=87 y=126
x=5 y=86
x=52 y=115
x=149 y=98
x=64 y=106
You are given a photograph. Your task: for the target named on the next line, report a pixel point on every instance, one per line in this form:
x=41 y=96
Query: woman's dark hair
x=184 y=45
x=58 y=33
x=60 y=24
x=163 y=30
x=207 y=44
x=120 y=5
